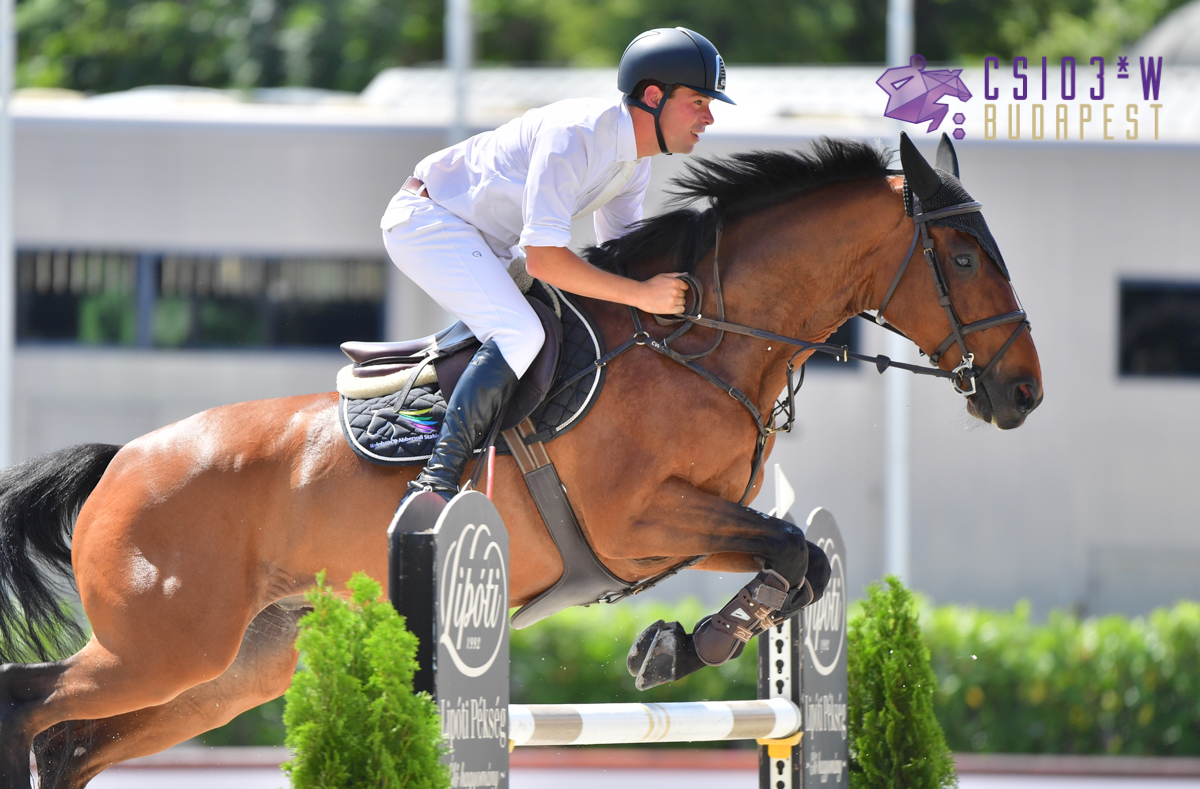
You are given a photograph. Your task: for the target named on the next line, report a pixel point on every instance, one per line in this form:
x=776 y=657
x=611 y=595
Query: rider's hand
x=663 y=294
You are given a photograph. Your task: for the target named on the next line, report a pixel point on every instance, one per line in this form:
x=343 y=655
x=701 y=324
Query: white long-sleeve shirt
x=522 y=183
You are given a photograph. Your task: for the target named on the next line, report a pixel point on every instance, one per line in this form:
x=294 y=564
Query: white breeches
x=450 y=260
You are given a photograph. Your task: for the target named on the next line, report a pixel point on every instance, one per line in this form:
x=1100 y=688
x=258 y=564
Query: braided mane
x=739 y=184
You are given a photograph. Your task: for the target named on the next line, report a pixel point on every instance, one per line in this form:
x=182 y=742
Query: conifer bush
x=352 y=718
x=895 y=739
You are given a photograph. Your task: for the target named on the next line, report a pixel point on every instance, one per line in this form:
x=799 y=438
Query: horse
x=193 y=545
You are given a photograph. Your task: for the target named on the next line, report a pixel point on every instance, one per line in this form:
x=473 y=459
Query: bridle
x=963 y=377
x=966 y=374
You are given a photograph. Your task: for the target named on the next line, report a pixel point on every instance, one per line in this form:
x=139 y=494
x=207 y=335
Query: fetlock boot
x=721 y=637
x=478 y=401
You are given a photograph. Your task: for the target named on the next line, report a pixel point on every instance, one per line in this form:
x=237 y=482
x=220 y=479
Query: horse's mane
x=736 y=185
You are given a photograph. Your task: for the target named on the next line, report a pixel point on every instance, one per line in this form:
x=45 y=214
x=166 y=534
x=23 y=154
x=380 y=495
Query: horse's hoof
x=663 y=653
x=641 y=647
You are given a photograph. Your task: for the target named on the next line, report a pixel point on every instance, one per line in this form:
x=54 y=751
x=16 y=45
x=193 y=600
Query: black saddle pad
x=385 y=431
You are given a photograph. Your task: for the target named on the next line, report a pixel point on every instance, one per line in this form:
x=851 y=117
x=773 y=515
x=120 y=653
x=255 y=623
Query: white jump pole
x=897 y=387
x=900 y=32
x=897 y=455
x=458 y=62
x=8 y=275
x=688 y=721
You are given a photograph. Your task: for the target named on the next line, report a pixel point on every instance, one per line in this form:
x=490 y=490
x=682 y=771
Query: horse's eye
x=963 y=261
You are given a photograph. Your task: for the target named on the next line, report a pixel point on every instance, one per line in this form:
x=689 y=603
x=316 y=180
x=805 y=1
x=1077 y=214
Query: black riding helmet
x=672 y=56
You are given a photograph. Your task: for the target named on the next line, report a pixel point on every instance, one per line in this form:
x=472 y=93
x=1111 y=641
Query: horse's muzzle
x=1005 y=403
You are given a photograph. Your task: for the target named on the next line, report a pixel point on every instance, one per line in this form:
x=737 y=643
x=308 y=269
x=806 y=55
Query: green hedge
x=1006 y=683
x=1097 y=685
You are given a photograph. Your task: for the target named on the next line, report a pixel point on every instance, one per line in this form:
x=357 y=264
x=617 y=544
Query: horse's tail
x=39 y=501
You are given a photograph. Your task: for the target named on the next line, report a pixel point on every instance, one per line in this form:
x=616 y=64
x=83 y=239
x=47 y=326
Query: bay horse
x=191 y=545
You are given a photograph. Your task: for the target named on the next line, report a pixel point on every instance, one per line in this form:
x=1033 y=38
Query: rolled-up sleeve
x=614 y=219
x=557 y=168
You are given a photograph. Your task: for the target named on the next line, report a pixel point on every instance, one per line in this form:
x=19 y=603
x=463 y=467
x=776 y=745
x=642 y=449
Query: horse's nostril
x=1024 y=396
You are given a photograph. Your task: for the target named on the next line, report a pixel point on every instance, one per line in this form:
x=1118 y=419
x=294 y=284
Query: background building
x=179 y=249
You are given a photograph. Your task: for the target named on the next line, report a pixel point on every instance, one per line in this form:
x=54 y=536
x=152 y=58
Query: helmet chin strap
x=655 y=112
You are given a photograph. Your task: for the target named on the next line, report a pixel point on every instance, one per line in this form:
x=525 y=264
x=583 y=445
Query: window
x=1160 y=329
x=197 y=301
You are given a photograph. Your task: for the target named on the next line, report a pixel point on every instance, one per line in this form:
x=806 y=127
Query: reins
x=963 y=377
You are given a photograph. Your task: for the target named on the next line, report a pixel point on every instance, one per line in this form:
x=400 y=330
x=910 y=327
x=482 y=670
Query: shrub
x=1098 y=685
x=895 y=739
x=352 y=718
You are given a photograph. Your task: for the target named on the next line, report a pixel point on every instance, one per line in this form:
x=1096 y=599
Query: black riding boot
x=477 y=402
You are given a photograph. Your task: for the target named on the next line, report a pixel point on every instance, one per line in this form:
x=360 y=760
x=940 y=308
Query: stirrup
x=415 y=487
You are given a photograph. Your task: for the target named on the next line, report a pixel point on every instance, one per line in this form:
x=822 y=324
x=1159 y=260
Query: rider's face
x=684 y=118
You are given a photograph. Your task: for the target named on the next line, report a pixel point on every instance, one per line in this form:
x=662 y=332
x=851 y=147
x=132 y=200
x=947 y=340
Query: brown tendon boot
x=720 y=637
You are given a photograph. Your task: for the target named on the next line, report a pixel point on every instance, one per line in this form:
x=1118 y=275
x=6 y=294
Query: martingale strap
x=584 y=580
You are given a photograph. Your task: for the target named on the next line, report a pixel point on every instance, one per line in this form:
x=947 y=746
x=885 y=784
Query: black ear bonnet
x=951 y=193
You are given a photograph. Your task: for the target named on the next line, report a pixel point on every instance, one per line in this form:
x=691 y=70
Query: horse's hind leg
x=73 y=753
x=21 y=686
x=101 y=681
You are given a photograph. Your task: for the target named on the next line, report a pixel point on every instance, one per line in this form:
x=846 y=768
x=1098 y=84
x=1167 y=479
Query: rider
x=470 y=209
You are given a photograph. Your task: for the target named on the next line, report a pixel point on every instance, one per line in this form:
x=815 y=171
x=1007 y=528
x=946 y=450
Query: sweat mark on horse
x=241 y=521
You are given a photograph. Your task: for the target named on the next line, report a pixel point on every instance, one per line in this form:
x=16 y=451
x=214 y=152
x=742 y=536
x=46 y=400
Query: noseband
x=966 y=374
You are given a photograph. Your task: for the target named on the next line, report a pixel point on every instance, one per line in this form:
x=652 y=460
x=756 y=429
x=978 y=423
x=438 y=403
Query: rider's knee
x=520 y=341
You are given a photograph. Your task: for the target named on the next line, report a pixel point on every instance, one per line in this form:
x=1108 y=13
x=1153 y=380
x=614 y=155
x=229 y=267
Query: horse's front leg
x=685 y=521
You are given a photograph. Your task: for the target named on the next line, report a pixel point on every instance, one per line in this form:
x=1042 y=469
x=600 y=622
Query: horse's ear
x=947 y=159
x=922 y=179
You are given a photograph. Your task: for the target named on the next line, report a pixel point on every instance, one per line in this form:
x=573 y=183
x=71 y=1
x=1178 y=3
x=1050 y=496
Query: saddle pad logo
x=473 y=600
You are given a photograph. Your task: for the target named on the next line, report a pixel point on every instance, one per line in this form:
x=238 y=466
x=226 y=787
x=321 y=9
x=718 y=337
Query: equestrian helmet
x=673 y=56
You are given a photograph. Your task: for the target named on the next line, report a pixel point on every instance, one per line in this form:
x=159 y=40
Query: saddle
x=386 y=367
x=393 y=395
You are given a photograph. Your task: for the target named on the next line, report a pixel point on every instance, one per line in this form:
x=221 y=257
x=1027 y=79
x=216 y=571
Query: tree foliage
x=895 y=739
x=969 y=30
x=106 y=45
x=352 y=718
